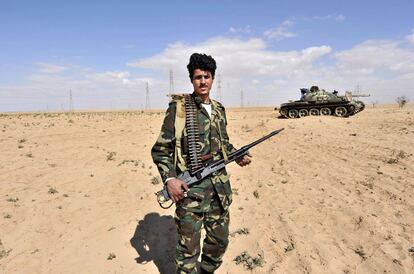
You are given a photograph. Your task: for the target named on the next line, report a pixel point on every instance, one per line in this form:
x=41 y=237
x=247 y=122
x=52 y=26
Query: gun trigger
x=198 y=175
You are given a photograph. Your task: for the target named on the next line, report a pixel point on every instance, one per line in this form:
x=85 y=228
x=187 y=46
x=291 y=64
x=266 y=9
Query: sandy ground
x=327 y=195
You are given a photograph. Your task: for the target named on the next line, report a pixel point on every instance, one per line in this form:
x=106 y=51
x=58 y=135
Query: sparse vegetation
x=289 y=247
x=360 y=251
x=52 y=190
x=246 y=128
x=377 y=185
x=396 y=156
x=248 y=261
x=13 y=200
x=402 y=101
x=392 y=161
x=155 y=180
x=369 y=183
x=110 y=156
x=111 y=256
x=3 y=252
x=240 y=231
x=134 y=162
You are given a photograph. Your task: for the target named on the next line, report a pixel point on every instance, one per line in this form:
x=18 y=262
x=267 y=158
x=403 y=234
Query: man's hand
x=176 y=188
x=245 y=160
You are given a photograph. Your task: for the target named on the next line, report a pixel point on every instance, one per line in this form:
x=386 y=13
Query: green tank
x=315 y=101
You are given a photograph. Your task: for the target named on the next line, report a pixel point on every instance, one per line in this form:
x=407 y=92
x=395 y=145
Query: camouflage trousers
x=215 y=221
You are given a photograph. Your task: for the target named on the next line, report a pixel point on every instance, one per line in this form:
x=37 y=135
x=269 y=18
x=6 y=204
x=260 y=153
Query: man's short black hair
x=203 y=62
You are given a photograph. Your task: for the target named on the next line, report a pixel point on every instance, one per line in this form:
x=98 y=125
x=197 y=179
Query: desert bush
x=248 y=261
x=111 y=256
x=52 y=190
x=240 y=231
x=13 y=200
x=155 y=180
x=402 y=101
x=360 y=251
x=110 y=156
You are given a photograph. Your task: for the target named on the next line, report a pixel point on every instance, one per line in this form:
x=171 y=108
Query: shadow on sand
x=154 y=239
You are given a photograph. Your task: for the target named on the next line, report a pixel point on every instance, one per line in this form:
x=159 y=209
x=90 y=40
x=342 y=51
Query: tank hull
x=300 y=109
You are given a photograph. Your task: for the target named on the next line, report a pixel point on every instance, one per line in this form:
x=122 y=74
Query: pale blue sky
x=106 y=51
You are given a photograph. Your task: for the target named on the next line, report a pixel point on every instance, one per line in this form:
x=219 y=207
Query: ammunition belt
x=191 y=121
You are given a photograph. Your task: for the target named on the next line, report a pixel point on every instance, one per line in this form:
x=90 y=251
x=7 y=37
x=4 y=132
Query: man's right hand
x=176 y=189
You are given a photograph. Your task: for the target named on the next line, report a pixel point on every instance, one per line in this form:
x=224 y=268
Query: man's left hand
x=245 y=160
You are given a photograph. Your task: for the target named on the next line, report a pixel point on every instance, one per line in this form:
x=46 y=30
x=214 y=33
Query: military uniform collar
x=198 y=102
x=198 y=99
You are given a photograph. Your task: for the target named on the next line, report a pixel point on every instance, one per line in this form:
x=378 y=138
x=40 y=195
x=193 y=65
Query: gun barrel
x=243 y=150
x=361 y=95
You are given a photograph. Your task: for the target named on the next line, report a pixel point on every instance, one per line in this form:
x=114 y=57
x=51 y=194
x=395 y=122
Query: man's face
x=202 y=82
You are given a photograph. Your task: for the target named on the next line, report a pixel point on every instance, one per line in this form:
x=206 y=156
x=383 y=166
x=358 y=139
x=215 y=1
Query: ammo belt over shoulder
x=191 y=121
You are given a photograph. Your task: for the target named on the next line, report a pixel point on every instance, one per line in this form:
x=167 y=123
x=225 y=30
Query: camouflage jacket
x=213 y=137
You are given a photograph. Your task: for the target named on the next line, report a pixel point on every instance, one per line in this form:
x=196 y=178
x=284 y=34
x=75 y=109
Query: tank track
x=300 y=109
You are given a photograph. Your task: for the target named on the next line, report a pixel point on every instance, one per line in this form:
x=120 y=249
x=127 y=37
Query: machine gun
x=190 y=179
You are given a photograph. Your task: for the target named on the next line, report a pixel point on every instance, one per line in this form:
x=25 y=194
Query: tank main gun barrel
x=361 y=95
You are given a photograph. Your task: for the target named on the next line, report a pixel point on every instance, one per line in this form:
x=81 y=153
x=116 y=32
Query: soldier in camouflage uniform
x=206 y=203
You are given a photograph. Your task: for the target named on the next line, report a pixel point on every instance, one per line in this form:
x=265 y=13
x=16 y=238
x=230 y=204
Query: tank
x=315 y=101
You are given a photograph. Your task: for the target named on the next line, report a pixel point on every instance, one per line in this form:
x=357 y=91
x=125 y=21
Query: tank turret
x=315 y=101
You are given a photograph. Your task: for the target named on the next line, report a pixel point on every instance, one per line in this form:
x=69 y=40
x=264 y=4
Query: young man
x=202 y=135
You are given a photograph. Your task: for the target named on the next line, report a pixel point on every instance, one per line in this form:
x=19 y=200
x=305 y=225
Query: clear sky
x=107 y=51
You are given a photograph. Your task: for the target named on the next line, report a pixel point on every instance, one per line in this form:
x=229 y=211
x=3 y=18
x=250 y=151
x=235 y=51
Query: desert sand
x=327 y=195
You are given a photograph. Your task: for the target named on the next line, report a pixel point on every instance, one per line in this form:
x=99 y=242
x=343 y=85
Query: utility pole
x=70 y=101
x=171 y=91
x=241 y=99
x=357 y=89
x=219 y=88
x=147 y=99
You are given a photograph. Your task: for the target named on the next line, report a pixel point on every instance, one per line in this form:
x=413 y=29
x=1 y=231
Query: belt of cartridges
x=191 y=121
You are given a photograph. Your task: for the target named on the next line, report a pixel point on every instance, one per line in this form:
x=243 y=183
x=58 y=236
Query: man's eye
x=199 y=77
